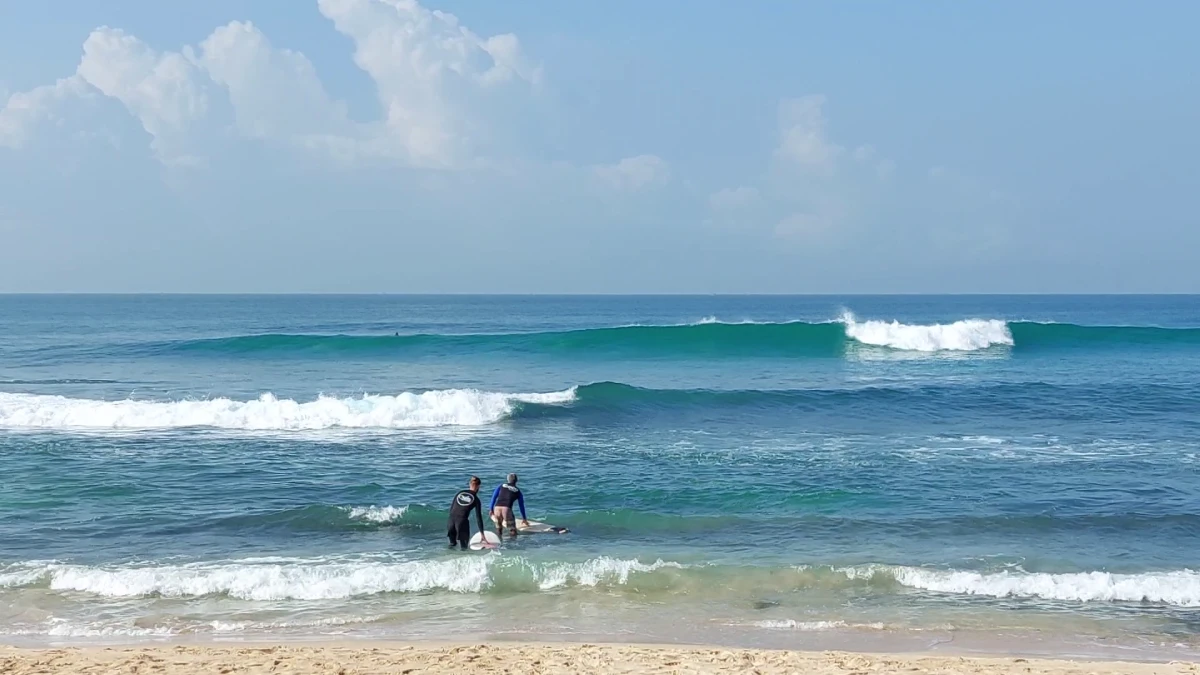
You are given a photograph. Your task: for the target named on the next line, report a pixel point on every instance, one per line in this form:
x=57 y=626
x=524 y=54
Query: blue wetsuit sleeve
x=495 y=496
x=521 y=503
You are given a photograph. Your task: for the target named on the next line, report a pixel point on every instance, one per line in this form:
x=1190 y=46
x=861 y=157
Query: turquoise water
x=755 y=470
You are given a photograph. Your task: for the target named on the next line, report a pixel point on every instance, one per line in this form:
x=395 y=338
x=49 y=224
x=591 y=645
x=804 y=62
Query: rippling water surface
x=779 y=471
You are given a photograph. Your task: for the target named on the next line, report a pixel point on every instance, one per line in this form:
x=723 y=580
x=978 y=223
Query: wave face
x=276 y=579
x=707 y=339
x=443 y=408
x=470 y=408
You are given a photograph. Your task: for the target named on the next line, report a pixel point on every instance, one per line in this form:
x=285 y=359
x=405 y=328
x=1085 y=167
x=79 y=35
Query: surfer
x=459 y=527
x=501 y=508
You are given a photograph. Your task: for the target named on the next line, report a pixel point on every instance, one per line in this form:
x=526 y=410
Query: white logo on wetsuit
x=465 y=499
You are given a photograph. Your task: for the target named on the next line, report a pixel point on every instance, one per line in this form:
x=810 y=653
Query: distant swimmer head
x=512 y=479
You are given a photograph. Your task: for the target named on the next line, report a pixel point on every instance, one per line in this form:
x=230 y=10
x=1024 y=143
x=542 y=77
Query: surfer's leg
x=464 y=535
x=501 y=516
x=452 y=533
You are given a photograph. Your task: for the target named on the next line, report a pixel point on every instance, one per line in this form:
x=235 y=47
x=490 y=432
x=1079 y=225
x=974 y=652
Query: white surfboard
x=478 y=539
x=537 y=527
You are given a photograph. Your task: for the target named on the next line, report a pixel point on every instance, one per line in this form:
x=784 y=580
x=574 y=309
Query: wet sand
x=363 y=658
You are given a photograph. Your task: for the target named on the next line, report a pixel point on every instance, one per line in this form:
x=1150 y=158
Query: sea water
x=906 y=472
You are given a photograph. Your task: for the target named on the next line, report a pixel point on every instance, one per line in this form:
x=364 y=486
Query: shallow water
x=755 y=470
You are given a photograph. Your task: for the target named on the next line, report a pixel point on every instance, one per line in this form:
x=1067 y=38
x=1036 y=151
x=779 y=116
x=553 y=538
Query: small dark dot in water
x=765 y=604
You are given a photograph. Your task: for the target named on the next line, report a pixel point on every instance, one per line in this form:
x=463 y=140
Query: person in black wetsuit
x=466 y=501
x=502 y=503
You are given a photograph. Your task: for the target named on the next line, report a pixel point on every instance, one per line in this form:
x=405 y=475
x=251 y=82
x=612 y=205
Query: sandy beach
x=529 y=658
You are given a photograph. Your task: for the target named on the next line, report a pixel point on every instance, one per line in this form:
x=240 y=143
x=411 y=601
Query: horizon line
x=595 y=294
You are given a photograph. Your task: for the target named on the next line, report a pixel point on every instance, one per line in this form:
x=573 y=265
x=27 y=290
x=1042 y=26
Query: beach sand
x=528 y=658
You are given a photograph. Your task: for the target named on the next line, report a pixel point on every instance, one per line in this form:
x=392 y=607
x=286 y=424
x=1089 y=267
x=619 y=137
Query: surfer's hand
x=524 y=523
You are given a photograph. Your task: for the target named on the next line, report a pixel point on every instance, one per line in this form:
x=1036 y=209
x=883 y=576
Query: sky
x=395 y=146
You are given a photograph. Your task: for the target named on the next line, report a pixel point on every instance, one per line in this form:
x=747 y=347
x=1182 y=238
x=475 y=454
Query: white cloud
x=24 y=110
x=439 y=84
x=433 y=76
x=275 y=92
x=635 y=173
x=802 y=137
x=164 y=91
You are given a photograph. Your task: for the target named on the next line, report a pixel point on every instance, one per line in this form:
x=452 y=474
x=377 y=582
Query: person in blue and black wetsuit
x=501 y=508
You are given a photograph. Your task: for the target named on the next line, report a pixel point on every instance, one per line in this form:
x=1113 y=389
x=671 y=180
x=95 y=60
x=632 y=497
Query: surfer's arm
x=495 y=496
x=521 y=503
x=479 y=514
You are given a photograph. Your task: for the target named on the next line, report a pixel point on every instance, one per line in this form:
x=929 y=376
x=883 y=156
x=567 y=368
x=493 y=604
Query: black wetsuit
x=459 y=528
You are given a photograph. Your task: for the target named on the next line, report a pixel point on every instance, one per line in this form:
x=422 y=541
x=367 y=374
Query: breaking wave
x=708 y=337
x=442 y=408
x=596 y=401
x=273 y=579
x=276 y=579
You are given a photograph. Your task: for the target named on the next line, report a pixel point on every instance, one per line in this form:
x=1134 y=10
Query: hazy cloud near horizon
x=398 y=146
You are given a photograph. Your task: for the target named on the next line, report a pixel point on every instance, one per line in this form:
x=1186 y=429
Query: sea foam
x=1177 y=587
x=441 y=408
x=964 y=335
x=317 y=579
x=376 y=514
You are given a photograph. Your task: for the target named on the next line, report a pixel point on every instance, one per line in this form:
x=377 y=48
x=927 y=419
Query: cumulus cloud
x=275 y=93
x=635 y=173
x=23 y=111
x=432 y=76
x=165 y=92
x=803 y=139
x=436 y=80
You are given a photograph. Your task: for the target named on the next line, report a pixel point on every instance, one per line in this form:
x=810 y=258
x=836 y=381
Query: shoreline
x=454 y=656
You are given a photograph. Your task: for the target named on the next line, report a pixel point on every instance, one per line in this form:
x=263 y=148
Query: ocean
x=901 y=472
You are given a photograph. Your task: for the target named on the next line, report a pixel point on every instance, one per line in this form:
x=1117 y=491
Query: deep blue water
x=765 y=465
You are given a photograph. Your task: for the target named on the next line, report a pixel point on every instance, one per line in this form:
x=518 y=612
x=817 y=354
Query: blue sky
x=617 y=147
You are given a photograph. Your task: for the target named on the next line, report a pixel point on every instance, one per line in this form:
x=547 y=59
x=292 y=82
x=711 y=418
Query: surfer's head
x=512 y=479
x=474 y=483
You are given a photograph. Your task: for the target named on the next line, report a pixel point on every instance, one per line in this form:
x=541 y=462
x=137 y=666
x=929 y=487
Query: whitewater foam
x=376 y=514
x=1180 y=588
x=219 y=626
x=317 y=579
x=964 y=335
x=64 y=629
x=596 y=572
x=440 y=408
x=812 y=626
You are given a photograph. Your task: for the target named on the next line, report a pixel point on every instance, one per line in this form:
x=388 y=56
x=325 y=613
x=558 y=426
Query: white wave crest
x=376 y=514
x=56 y=627
x=297 y=579
x=219 y=626
x=21 y=574
x=62 y=628
x=813 y=626
x=450 y=407
x=596 y=572
x=966 y=335
x=1178 y=587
